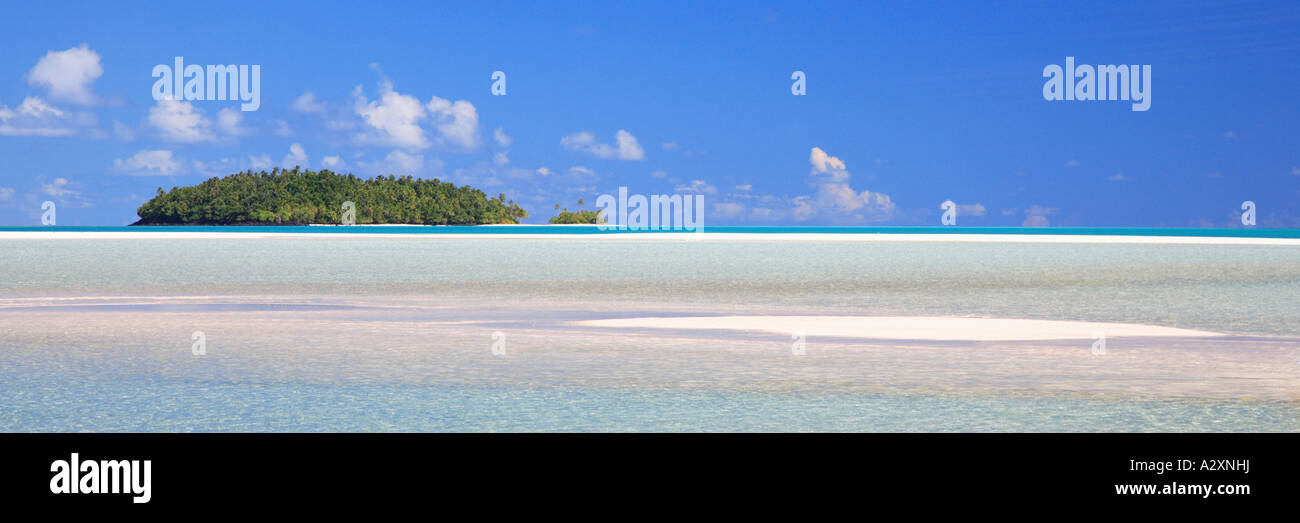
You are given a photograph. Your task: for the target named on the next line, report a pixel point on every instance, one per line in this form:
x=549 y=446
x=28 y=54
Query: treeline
x=299 y=197
x=570 y=218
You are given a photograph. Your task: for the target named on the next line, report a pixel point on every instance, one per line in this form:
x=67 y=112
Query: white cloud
x=1230 y=135
x=1072 y=163
x=35 y=117
x=1295 y=171
x=502 y=139
x=823 y=162
x=626 y=146
x=1037 y=216
x=68 y=75
x=728 y=209
x=697 y=186
x=746 y=187
x=59 y=188
x=457 y=122
x=501 y=158
x=392 y=120
x=971 y=209
x=1117 y=177
x=297 y=157
x=659 y=174
x=543 y=171
x=230 y=121
x=580 y=172
x=6 y=194
x=180 y=122
x=1035 y=220
x=259 y=163
x=835 y=199
x=670 y=146
x=123 y=132
x=397 y=162
x=282 y=128
x=148 y=163
x=331 y=162
x=306 y=103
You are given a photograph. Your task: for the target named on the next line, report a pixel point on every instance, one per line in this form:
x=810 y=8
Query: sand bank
x=905 y=327
x=661 y=236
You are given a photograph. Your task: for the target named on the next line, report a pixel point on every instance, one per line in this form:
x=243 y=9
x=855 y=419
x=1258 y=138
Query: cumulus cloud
x=457 y=122
x=823 y=162
x=501 y=158
x=392 y=120
x=1035 y=220
x=180 y=122
x=68 y=75
x=581 y=172
x=58 y=188
x=1036 y=216
x=728 y=209
x=259 y=163
x=281 y=128
x=696 y=186
x=231 y=121
x=501 y=138
x=148 y=163
x=297 y=157
x=397 y=162
x=35 y=117
x=625 y=146
x=971 y=209
x=307 y=103
x=835 y=199
x=544 y=171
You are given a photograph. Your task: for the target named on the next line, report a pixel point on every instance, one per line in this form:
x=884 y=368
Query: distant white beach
x=906 y=327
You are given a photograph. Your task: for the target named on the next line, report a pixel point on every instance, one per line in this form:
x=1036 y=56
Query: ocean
x=425 y=331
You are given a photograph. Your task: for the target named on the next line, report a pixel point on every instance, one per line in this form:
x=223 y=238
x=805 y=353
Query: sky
x=905 y=105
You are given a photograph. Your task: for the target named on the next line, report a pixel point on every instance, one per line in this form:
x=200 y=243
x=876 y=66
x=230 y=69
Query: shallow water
x=396 y=334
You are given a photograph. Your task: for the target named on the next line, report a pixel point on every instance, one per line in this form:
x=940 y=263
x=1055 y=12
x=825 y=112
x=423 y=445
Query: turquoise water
x=378 y=334
x=542 y=229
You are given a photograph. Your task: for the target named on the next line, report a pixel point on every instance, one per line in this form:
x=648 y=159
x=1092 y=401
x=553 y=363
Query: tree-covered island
x=299 y=197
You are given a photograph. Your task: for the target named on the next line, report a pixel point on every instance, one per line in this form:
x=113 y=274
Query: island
x=302 y=197
x=579 y=217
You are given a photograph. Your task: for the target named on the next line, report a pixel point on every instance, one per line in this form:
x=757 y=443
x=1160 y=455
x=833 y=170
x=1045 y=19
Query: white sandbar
x=905 y=327
x=661 y=236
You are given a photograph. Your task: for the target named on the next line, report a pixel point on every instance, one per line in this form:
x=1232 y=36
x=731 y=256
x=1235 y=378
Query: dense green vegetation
x=303 y=197
x=569 y=218
x=564 y=217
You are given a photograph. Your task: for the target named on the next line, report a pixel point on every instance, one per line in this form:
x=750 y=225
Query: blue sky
x=906 y=105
